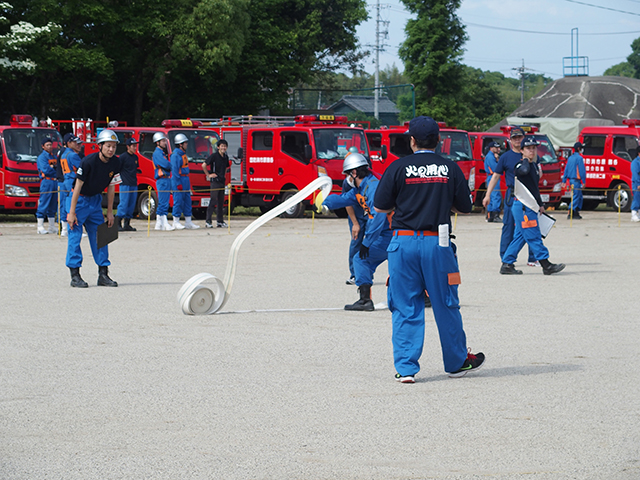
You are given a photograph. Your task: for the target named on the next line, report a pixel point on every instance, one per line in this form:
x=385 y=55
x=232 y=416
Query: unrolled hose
x=197 y=299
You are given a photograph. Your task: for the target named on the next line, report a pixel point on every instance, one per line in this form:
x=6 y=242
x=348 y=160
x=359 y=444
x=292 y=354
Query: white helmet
x=180 y=139
x=107 y=136
x=158 y=136
x=353 y=160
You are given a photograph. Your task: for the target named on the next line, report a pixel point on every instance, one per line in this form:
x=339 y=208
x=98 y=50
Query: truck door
x=261 y=167
x=234 y=138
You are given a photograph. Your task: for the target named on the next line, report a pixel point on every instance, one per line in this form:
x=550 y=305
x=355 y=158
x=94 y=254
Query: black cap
x=516 y=132
x=422 y=127
x=529 y=141
x=47 y=140
x=578 y=146
x=130 y=141
x=494 y=144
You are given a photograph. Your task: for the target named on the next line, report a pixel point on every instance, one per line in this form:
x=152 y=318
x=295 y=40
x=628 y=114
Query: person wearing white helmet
x=181 y=183
x=377 y=235
x=97 y=171
x=162 y=174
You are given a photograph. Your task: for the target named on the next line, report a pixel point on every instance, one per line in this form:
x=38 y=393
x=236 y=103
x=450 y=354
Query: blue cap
x=529 y=141
x=421 y=127
x=130 y=141
x=70 y=137
x=577 y=146
x=47 y=140
x=494 y=144
x=516 y=132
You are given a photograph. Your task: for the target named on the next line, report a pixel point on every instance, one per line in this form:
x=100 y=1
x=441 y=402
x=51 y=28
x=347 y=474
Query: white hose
x=196 y=299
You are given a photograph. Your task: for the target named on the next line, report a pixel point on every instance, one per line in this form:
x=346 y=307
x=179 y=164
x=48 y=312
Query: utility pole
x=380 y=37
x=520 y=71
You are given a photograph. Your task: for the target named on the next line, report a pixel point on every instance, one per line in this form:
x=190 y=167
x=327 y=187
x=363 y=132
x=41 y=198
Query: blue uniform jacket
x=575 y=169
x=363 y=196
x=44 y=165
x=635 y=173
x=179 y=163
x=490 y=163
x=70 y=162
x=162 y=164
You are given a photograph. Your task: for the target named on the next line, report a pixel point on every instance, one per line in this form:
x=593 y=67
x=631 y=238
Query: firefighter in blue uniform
x=97 y=171
x=181 y=183
x=576 y=174
x=47 y=204
x=506 y=165
x=526 y=219
x=373 y=250
x=635 y=187
x=490 y=163
x=69 y=163
x=129 y=187
x=163 y=180
x=422 y=190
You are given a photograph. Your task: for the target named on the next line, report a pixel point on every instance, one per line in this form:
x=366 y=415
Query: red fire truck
x=608 y=152
x=201 y=144
x=19 y=149
x=387 y=144
x=551 y=182
x=274 y=157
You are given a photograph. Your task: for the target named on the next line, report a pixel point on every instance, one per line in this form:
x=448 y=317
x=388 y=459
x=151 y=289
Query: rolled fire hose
x=197 y=299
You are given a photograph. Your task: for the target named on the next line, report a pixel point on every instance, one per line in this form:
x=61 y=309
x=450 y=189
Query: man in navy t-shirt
x=422 y=190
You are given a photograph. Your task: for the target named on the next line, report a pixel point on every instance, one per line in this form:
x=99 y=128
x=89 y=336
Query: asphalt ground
x=103 y=383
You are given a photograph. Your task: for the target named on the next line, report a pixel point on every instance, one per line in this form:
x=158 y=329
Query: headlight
x=13 y=191
x=322 y=171
x=557 y=187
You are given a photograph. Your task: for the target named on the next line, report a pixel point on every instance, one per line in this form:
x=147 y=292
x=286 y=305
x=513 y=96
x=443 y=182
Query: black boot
x=119 y=222
x=427 y=301
x=576 y=215
x=549 y=268
x=364 y=304
x=103 y=278
x=127 y=226
x=509 y=269
x=76 y=279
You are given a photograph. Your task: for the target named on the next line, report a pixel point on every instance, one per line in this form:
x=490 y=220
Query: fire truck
x=20 y=145
x=201 y=144
x=274 y=157
x=607 y=154
x=551 y=182
x=387 y=144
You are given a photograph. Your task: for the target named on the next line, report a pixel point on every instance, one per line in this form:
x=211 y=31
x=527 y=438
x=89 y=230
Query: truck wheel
x=621 y=198
x=147 y=205
x=295 y=211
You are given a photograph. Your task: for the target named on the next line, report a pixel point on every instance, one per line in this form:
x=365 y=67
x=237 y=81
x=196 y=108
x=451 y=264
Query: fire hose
x=197 y=299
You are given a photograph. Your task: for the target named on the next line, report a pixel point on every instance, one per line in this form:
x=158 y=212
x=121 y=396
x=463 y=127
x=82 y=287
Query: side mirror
x=384 y=152
x=240 y=152
x=308 y=152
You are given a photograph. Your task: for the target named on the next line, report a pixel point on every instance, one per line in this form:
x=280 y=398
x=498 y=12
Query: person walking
x=69 y=164
x=162 y=176
x=48 y=201
x=215 y=169
x=181 y=184
x=97 y=171
x=129 y=186
x=635 y=187
x=527 y=229
x=576 y=175
x=490 y=163
x=422 y=190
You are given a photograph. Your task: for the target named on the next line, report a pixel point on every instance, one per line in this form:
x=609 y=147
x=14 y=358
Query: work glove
x=364 y=252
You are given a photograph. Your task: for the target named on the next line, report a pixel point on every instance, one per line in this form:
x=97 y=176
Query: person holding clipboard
x=97 y=171
x=525 y=209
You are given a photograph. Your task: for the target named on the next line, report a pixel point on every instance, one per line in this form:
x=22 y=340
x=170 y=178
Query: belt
x=49 y=178
x=424 y=233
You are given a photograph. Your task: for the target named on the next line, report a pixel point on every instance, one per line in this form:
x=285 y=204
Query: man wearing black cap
x=48 y=188
x=129 y=185
x=422 y=190
x=490 y=163
x=507 y=164
x=69 y=163
x=576 y=174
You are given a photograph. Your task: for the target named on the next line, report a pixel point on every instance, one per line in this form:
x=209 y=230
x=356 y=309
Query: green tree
x=623 y=69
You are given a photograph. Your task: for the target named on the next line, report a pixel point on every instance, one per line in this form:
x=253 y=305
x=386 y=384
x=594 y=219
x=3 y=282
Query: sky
x=504 y=33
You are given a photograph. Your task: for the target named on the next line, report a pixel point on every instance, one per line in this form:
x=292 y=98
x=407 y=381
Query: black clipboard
x=107 y=234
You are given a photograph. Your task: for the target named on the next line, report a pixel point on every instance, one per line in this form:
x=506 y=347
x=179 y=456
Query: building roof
x=366 y=104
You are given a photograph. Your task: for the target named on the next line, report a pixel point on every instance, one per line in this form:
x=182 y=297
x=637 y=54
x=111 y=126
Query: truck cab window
x=262 y=140
x=293 y=144
x=594 y=144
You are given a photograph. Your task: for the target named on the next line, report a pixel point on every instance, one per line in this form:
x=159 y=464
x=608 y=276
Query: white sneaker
x=634 y=216
x=41 y=229
x=534 y=264
x=166 y=225
x=189 y=224
x=177 y=225
x=158 y=223
x=53 y=226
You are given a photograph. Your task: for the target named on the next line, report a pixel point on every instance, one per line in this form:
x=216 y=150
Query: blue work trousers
x=577 y=194
x=509 y=226
x=527 y=231
x=164 y=195
x=354 y=246
x=635 y=203
x=495 y=199
x=89 y=215
x=48 y=202
x=128 y=196
x=417 y=263
x=181 y=196
x=66 y=189
x=365 y=268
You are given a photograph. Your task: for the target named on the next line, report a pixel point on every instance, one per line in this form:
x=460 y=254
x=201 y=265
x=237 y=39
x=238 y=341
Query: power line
x=603 y=8
x=548 y=33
